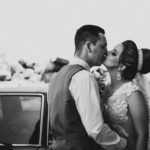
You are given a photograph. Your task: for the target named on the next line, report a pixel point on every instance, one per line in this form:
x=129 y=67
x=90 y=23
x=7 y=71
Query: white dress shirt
x=84 y=89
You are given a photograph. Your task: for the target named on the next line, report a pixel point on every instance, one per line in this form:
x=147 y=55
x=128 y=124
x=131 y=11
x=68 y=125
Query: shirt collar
x=79 y=61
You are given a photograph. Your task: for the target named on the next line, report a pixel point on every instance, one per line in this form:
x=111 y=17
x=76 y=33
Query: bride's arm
x=139 y=113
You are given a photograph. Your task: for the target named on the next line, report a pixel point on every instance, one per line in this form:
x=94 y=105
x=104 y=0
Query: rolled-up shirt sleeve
x=84 y=89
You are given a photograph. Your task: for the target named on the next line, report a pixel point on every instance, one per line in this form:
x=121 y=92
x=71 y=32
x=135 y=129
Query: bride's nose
x=108 y=53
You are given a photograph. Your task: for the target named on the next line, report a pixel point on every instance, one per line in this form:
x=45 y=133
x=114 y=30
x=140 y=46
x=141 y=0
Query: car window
x=19 y=118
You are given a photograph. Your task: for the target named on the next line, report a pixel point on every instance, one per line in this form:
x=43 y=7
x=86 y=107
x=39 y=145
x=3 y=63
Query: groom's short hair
x=87 y=33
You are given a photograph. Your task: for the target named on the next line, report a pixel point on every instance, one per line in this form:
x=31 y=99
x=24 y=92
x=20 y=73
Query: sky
x=37 y=30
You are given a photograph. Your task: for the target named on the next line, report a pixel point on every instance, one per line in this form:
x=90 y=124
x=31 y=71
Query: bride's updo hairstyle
x=129 y=58
x=146 y=61
x=133 y=58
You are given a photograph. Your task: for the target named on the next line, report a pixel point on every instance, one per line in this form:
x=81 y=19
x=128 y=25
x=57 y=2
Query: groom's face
x=98 y=51
x=112 y=59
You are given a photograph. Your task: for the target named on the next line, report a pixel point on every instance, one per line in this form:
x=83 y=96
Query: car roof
x=23 y=86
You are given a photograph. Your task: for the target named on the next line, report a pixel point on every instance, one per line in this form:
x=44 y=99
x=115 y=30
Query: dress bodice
x=116 y=112
x=116 y=106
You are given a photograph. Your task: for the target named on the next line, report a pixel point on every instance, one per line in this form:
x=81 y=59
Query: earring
x=118 y=76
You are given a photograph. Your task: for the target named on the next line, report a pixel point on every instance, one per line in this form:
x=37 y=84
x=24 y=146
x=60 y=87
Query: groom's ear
x=88 y=46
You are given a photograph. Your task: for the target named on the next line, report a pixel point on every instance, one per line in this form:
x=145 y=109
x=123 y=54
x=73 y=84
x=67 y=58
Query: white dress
x=116 y=107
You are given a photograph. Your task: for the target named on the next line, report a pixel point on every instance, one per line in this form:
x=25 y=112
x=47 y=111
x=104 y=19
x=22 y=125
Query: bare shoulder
x=137 y=100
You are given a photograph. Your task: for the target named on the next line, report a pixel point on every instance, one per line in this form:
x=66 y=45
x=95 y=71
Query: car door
x=23 y=121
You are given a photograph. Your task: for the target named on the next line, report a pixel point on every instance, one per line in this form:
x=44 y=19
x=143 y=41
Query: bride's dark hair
x=129 y=58
x=146 y=61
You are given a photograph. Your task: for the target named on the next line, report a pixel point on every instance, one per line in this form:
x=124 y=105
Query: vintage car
x=24 y=121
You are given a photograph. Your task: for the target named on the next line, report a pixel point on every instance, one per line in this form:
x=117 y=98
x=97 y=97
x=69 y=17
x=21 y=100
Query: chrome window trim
x=48 y=122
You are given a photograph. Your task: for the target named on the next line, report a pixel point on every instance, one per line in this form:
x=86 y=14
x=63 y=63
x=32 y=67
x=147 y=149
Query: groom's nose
x=105 y=54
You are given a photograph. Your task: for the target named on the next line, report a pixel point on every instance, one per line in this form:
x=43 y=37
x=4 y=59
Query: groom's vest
x=67 y=128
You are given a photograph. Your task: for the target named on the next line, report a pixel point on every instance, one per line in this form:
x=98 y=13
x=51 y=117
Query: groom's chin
x=105 y=64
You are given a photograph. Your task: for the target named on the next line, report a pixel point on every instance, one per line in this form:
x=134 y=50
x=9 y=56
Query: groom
x=74 y=102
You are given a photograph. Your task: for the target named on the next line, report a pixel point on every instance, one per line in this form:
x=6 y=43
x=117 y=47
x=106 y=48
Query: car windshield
x=19 y=118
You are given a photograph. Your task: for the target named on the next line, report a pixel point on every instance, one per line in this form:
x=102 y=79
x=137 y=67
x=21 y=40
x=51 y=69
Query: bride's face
x=112 y=59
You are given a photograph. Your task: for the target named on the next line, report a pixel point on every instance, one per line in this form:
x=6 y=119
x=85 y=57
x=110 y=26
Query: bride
x=126 y=100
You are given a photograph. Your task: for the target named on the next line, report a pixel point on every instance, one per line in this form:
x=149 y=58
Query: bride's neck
x=115 y=84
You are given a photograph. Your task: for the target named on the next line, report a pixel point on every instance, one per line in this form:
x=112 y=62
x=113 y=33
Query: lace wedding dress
x=116 y=108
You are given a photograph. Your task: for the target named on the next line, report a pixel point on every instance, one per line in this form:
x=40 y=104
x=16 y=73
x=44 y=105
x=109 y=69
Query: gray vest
x=67 y=128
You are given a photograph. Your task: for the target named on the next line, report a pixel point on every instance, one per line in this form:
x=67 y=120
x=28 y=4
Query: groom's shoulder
x=84 y=74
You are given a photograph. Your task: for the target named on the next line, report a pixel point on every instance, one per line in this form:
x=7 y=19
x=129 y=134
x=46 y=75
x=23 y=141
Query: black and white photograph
x=74 y=75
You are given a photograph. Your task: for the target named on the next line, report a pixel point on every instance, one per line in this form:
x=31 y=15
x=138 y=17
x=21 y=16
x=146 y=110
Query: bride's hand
x=121 y=131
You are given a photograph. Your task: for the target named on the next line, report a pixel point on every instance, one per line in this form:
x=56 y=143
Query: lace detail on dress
x=116 y=105
x=130 y=88
x=116 y=110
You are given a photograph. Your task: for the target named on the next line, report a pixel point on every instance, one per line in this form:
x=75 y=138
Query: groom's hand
x=120 y=146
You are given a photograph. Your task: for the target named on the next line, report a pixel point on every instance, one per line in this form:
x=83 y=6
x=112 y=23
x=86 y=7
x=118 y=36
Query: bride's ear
x=122 y=67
